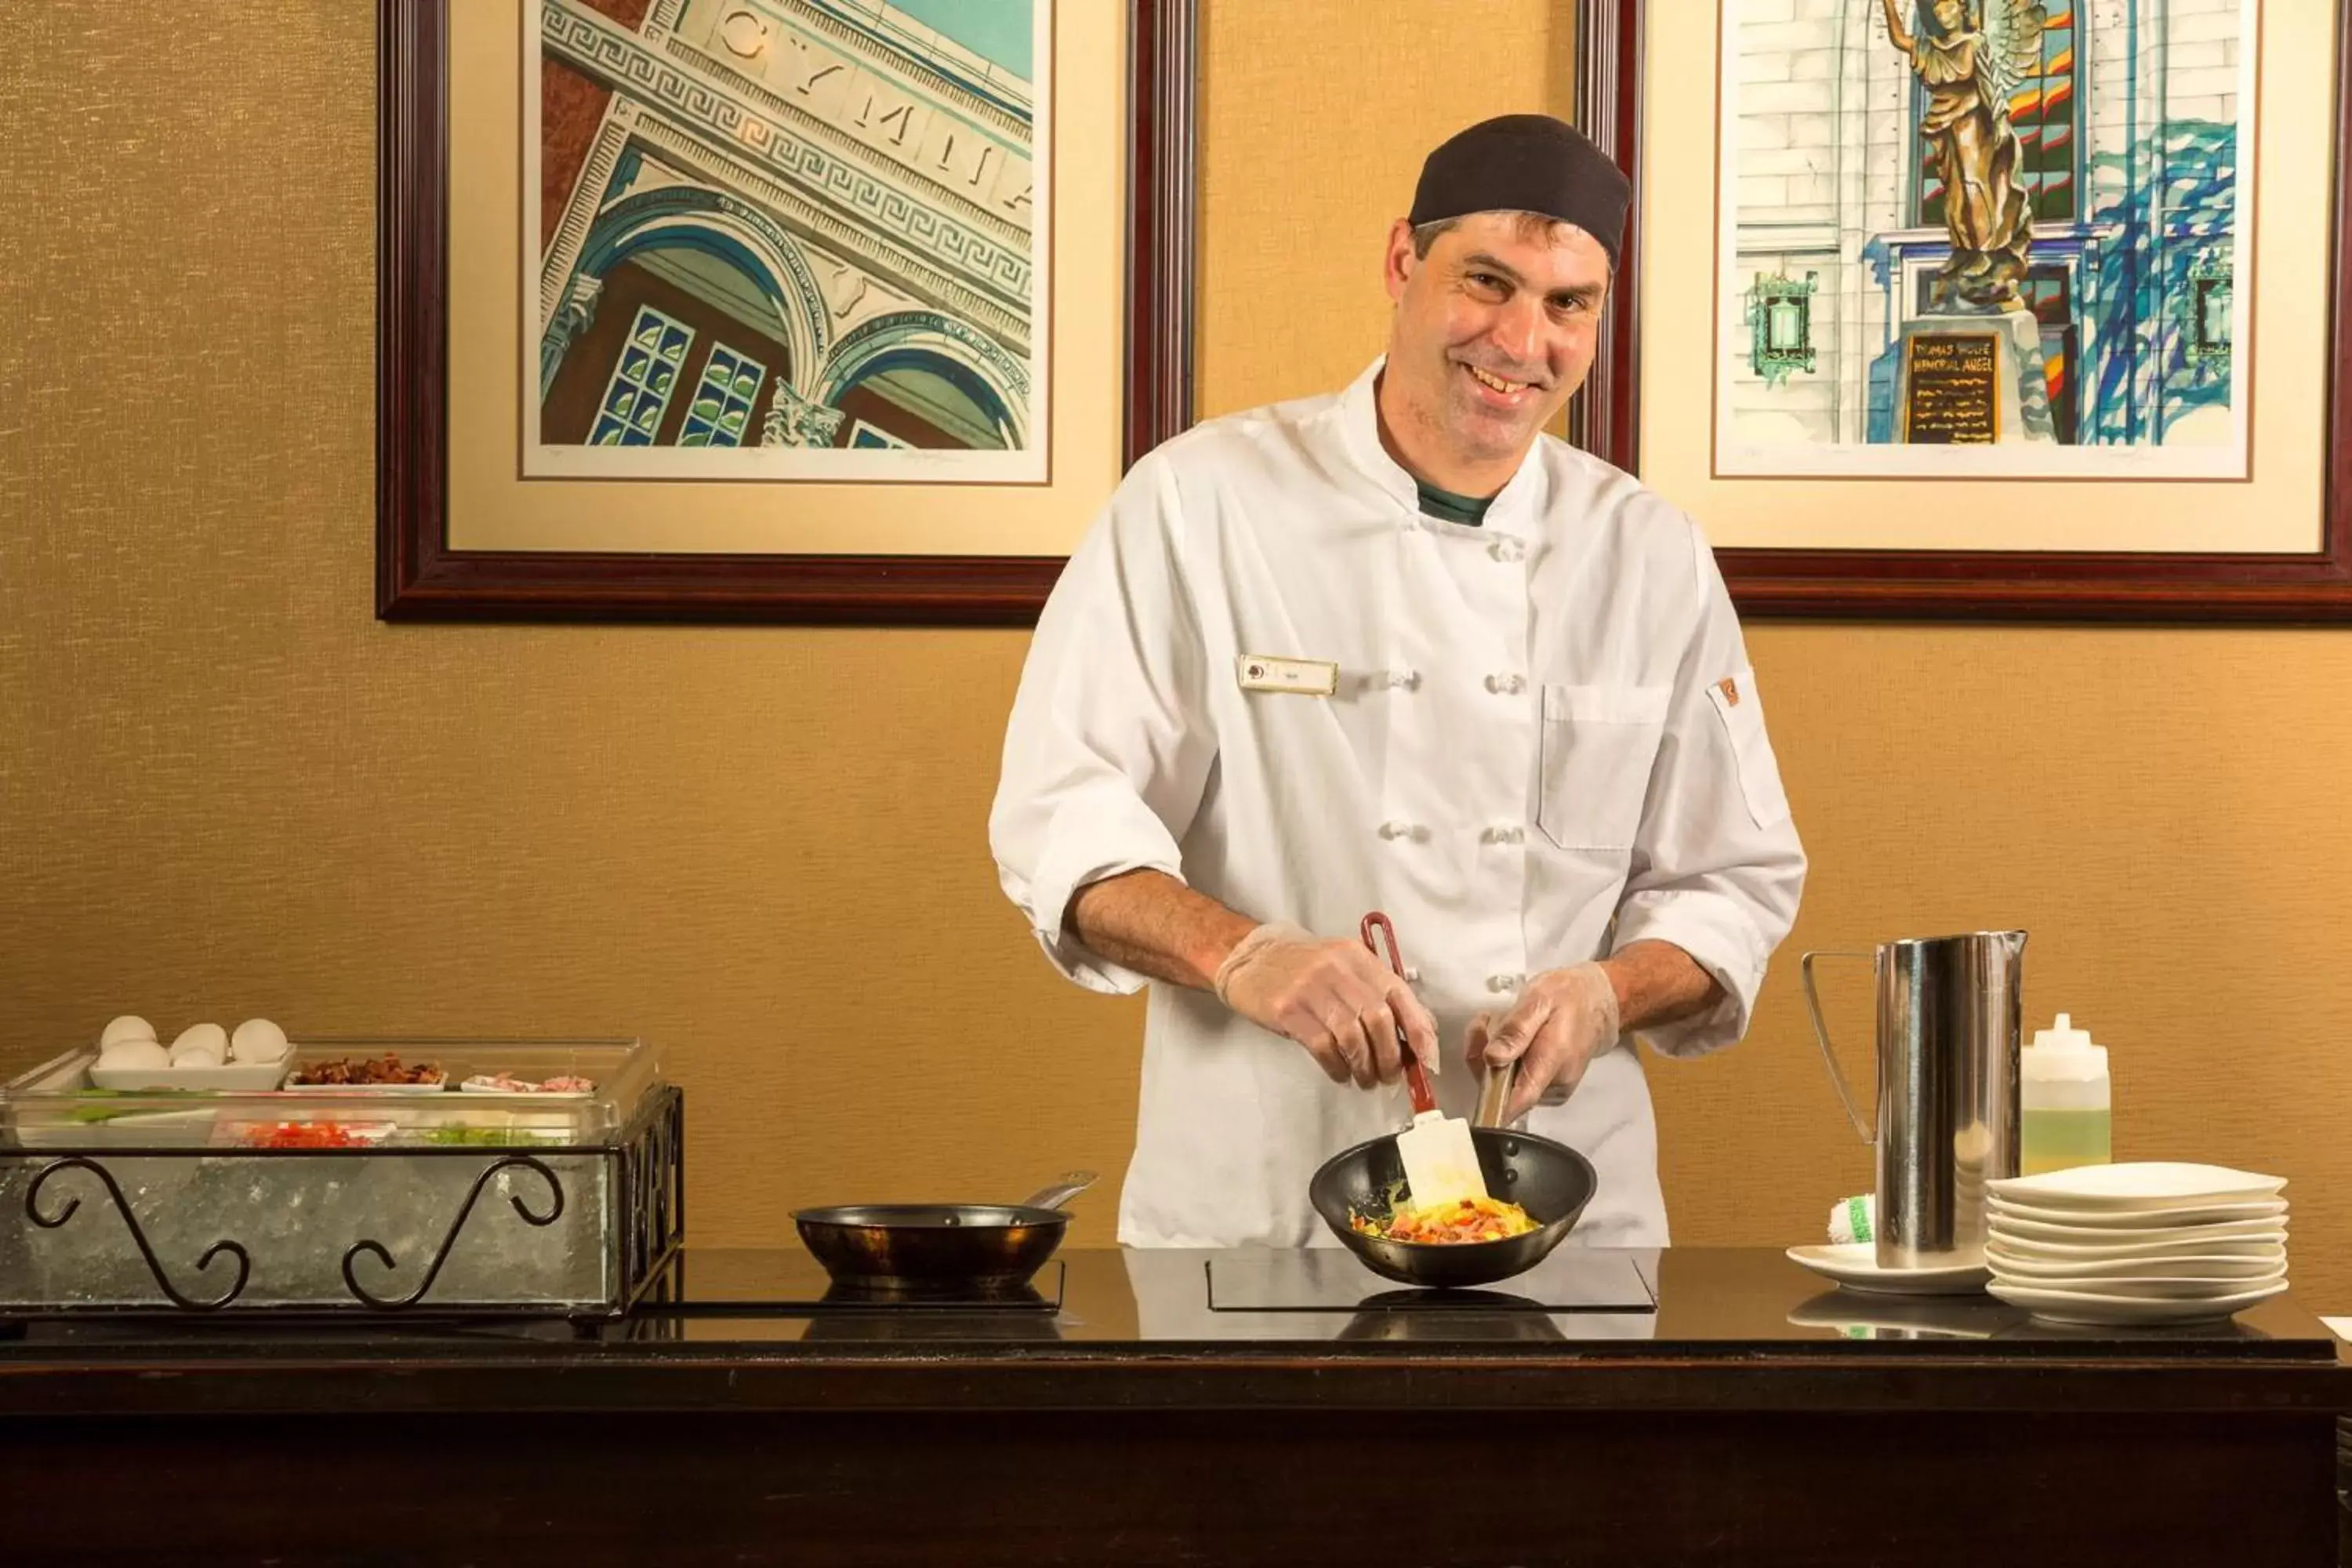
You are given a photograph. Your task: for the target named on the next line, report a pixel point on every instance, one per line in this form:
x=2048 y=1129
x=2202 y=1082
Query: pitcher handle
x=1821 y=1033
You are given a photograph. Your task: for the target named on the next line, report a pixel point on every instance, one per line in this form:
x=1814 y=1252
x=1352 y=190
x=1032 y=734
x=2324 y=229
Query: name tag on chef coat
x=1299 y=677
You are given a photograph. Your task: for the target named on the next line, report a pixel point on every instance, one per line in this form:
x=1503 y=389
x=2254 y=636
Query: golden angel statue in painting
x=1972 y=63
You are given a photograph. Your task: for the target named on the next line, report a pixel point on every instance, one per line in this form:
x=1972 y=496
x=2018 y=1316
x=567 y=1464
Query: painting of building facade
x=781 y=239
x=1989 y=238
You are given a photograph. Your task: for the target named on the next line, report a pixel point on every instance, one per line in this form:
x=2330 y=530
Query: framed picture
x=818 y=310
x=2028 y=309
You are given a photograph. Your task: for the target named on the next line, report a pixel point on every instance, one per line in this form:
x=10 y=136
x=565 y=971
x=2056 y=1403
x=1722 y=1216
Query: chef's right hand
x=1330 y=995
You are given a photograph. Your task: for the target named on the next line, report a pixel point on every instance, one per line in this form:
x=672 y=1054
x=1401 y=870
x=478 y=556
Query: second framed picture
x=1985 y=308
x=771 y=309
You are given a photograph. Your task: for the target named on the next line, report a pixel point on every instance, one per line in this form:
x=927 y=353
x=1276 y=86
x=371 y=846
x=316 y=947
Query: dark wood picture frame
x=419 y=577
x=1969 y=585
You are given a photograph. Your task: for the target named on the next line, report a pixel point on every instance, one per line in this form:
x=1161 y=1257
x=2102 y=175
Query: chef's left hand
x=1564 y=1018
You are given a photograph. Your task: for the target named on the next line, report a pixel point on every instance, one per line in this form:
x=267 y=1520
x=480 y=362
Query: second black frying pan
x=944 y=1248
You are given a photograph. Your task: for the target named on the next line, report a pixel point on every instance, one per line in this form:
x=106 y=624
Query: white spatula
x=1441 y=1162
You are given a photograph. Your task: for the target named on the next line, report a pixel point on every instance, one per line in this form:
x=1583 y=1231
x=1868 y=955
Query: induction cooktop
x=1327 y=1280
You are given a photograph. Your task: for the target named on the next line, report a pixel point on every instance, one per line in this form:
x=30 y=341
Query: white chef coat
x=1545 y=742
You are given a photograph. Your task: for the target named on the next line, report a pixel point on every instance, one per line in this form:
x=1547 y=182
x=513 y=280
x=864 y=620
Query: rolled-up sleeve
x=1108 y=747
x=1717 y=867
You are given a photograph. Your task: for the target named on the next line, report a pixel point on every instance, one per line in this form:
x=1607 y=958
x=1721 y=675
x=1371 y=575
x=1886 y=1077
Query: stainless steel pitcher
x=1948 y=1120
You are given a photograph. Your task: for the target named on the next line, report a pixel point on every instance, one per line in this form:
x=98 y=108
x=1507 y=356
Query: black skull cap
x=1525 y=163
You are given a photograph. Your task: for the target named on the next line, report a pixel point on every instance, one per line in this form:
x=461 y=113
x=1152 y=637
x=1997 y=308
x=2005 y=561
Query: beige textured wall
x=225 y=788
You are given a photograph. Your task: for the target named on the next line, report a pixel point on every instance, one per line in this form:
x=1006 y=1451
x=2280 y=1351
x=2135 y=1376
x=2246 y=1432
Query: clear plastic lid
x=340 y=1092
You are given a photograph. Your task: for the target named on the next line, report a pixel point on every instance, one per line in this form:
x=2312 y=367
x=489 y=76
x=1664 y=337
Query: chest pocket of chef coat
x=1598 y=744
x=1751 y=751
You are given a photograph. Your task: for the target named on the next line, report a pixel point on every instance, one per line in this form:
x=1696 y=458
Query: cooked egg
x=200 y=1045
x=137 y=1056
x=258 y=1041
x=130 y=1026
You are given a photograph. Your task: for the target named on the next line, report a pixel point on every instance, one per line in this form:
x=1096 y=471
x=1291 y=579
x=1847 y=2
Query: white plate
x=2170 y=1266
x=2136 y=1219
x=2193 y=1240
x=2167 y=1289
x=2152 y=1184
x=245 y=1075
x=2182 y=1265
x=2070 y=1307
x=1855 y=1265
x=2262 y=1228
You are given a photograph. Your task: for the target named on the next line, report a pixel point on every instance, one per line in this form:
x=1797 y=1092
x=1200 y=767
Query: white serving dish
x=1854 y=1265
x=2002 y=1208
x=232 y=1077
x=2142 y=1185
x=475 y=1086
x=2085 y=1307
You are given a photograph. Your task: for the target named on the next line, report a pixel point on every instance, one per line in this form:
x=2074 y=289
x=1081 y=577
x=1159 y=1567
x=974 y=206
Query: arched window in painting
x=2046 y=110
x=683 y=349
x=912 y=398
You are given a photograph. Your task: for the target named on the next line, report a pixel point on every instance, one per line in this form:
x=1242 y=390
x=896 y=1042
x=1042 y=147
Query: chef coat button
x=1508 y=549
x=1506 y=685
x=1501 y=982
x=1412 y=830
x=1403 y=680
x=1502 y=835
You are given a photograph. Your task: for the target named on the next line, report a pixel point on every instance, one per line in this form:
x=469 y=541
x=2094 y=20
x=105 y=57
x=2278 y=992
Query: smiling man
x=1399 y=649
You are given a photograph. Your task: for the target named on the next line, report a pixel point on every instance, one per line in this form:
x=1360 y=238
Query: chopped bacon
x=385 y=1069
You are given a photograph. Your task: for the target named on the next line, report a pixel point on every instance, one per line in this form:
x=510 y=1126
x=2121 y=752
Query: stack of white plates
x=2149 y=1243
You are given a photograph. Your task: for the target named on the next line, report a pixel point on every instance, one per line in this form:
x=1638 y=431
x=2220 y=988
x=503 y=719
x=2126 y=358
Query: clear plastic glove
x=1564 y=1018
x=1330 y=995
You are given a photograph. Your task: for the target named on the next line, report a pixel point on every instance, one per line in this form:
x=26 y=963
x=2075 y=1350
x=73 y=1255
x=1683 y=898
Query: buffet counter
x=1139 y=1407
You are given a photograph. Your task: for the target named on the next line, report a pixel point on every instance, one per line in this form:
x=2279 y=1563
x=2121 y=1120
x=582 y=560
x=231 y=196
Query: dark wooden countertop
x=1739 y=1329
x=1704 y=1407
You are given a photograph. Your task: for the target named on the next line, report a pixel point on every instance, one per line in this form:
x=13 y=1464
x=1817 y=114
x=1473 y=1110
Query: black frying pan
x=941 y=1248
x=1551 y=1181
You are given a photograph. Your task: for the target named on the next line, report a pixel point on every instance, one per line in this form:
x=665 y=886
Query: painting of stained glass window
x=2041 y=104
x=644 y=375
x=722 y=403
x=838 y=207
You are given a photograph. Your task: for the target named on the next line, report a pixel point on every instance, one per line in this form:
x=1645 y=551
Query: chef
x=1397 y=648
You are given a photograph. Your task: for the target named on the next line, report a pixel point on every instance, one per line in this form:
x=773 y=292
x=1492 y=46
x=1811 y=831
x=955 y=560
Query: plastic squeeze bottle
x=2064 y=1095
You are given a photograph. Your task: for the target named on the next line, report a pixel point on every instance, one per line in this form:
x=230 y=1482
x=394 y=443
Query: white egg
x=200 y=1040
x=258 y=1041
x=130 y=1026
x=141 y=1056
